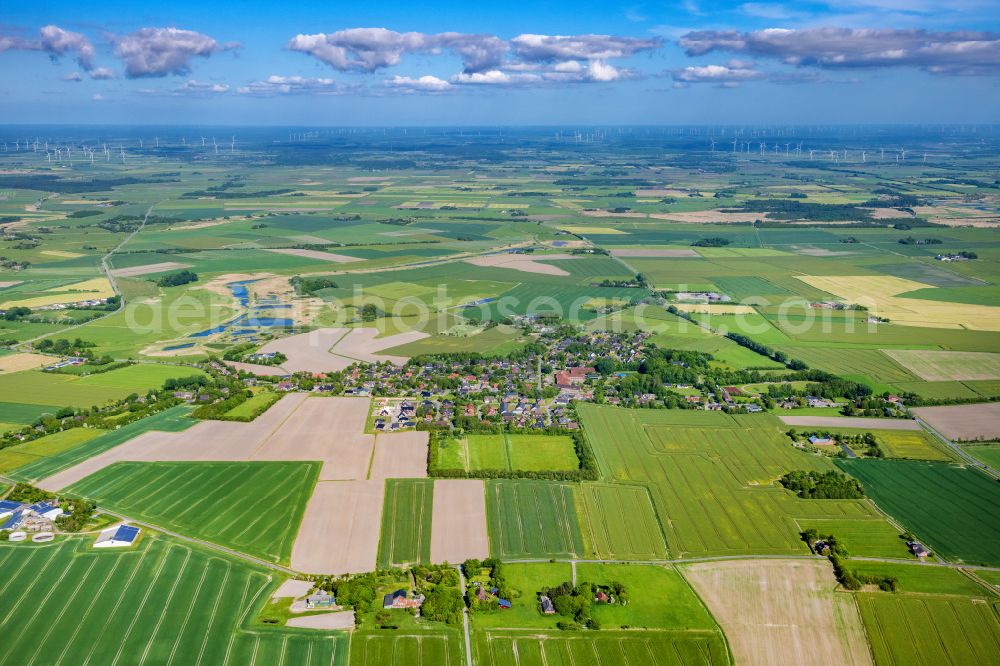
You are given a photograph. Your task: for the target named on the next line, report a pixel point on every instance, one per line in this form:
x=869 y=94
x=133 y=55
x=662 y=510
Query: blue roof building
x=16 y=519
x=117 y=537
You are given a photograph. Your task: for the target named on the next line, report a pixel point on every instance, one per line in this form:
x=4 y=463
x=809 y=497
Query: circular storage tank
x=42 y=537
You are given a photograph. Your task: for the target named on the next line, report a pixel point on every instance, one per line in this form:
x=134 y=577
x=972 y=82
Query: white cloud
x=959 y=52
x=155 y=52
x=102 y=73
x=555 y=48
x=72 y=76
x=492 y=77
x=421 y=84
x=294 y=85
x=729 y=75
x=56 y=42
x=370 y=49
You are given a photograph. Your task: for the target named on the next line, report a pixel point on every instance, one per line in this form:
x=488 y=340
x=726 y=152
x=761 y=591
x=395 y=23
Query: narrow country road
x=465 y=620
x=106 y=270
x=958 y=449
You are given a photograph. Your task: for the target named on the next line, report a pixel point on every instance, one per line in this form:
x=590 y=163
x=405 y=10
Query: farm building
x=918 y=549
x=7 y=507
x=45 y=510
x=117 y=537
x=547 y=607
x=817 y=440
x=398 y=599
x=14 y=521
x=504 y=604
x=320 y=600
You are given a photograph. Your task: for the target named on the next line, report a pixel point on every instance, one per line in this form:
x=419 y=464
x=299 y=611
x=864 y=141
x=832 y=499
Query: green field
x=37 y=387
x=619 y=522
x=956 y=509
x=906 y=444
x=988 y=453
x=930 y=629
x=252 y=507
x=162 y=602
x=862 y=537
x=711 y=477
x=259 y=402
x=631 y=648
x=169 y=420
x=406 y=522
x=674 y=605
x=379 y=649
x=532 y=519
x=19 y=455
x=509 y=452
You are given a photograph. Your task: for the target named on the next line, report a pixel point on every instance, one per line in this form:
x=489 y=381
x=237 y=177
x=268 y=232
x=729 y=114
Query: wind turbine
x=713 y=144
x=734 y=145
x=863 y=154
x=122 y=148
x=202 y=142
x=140 y=142
x=232 y=146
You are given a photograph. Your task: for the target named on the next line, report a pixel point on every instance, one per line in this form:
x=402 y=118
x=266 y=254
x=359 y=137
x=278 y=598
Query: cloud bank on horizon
x=782 y=44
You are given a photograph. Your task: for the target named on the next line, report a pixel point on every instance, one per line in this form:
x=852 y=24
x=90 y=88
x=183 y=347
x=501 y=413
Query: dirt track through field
x=340 y=529
x=850 y=422
x=458 y=521
x=958 y=422
x=782 y=612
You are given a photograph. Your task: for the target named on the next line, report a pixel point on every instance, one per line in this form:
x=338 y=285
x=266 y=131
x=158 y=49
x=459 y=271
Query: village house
x=399 y=599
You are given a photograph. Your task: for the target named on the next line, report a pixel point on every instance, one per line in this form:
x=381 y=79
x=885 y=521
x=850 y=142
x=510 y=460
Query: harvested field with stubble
x=333 y=349
x=23 y=361
x=327 y=429
x=782 y=612
x=526 y=263
x=316 y=254
x=458 y=526
x=148 y=269
x=340 y=529
x=849 y=422
x=399 y=455
x=654 y=252
x=964 y=422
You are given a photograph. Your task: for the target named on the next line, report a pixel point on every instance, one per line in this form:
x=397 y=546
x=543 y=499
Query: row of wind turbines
x=63 y=153
x=740 y=146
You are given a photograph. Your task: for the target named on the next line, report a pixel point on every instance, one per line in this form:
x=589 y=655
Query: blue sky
x=449 y=63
